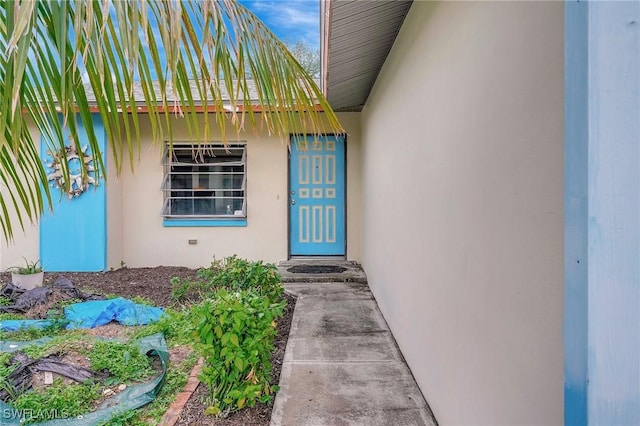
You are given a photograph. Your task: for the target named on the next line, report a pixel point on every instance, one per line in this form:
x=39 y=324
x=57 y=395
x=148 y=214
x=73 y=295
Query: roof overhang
x=356 y=37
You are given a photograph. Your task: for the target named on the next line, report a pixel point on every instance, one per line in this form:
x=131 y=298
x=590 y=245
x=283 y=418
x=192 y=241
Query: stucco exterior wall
x=115 y=238
x=26 y=243
x=463 y=207
x=136 y=237
x=145 y=242
x=351 y=122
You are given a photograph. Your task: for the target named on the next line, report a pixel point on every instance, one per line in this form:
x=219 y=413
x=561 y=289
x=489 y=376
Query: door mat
x=316 y=269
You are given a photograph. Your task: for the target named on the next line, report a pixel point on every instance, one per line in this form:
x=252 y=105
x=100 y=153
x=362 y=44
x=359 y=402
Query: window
x=205 y=182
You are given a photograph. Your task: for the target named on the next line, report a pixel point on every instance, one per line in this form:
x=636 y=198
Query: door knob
x=293 y=202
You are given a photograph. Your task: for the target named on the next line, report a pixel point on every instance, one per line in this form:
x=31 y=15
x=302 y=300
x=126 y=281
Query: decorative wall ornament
x=78 y=183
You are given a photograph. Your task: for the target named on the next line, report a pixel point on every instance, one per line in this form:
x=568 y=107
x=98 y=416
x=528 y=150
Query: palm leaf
x=62 y=60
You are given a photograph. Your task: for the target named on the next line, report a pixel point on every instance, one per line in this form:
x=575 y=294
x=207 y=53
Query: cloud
x=290 y=20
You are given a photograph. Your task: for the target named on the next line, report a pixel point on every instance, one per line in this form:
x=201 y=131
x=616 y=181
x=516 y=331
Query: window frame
x=206 y=151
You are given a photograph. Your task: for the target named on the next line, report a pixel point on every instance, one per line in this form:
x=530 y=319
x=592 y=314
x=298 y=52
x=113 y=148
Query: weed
x=176 y=325
x=57 y=400
x=10 y=316
x=5 y=301
x=28 y=268
x=5 y=369
x=175 y=381
x=122 y=419
x=69 y=341
x=232 y=273
x=123 y=361
x=32 y=333
x=140 y=300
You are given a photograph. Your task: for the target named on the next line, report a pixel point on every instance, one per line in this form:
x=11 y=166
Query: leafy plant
x=176 y=325
x=141 y=300
x=56 y=401
x=235 y=331
x=211 y=48
x=175 y=380
x=32 y=333
x=122 y=419
x=123 y=361
x=66 y=341
x=10 y=316
x=29 y=268
x=5 y=369
x=232 y=273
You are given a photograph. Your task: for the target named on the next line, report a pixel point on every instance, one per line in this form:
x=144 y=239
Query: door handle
x=293 y=202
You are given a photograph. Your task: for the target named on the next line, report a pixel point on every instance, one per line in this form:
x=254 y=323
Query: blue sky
x=290 y=20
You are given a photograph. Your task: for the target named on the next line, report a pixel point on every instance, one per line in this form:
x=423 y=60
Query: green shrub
x=232 y=273
x=236 y=332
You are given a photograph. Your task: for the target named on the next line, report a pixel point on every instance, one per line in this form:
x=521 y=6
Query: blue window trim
x=201 y=223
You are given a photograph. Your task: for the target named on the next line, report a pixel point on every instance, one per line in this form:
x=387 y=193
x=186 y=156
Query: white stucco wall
x=147 y=243
x=351 y=123
x=115 y=239
x=25 y=243
x=463 y=207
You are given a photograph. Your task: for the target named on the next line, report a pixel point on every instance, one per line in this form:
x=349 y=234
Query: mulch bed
x=154 y=284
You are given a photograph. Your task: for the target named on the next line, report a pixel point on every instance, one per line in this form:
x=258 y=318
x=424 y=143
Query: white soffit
x=355 y=41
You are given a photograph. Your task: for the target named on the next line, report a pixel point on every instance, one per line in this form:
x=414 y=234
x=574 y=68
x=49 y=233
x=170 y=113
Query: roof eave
x=352 y=25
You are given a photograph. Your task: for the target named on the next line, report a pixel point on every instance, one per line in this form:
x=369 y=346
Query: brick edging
x=172 y=415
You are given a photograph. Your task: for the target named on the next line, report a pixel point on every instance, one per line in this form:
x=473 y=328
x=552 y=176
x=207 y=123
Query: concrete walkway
x=341 y=365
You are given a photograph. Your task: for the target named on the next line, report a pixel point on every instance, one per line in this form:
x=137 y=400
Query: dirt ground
x=154 y=284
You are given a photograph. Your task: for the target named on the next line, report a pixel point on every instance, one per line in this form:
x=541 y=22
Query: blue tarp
x=100 y=312
x=13 y=325
x=94 y=314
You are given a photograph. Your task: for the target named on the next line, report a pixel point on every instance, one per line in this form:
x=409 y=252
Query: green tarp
x=131 y=398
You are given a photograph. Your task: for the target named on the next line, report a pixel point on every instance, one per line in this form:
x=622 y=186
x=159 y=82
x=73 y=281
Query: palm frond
x=211 y=61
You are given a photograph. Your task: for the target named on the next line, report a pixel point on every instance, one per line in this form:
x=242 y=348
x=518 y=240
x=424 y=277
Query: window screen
x=205 y=181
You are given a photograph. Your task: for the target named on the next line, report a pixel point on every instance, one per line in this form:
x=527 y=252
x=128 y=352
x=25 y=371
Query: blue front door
x=317 y=196
x=73 y=236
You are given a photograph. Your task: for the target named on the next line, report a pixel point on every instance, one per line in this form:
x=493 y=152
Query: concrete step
x=321 y=270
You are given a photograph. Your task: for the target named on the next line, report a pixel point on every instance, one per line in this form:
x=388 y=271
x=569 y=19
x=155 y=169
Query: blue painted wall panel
x=602 y=213
x=73 y=238
x=576 y=213
x=614 y=213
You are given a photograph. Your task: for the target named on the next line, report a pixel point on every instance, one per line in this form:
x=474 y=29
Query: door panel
x=317 y=196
